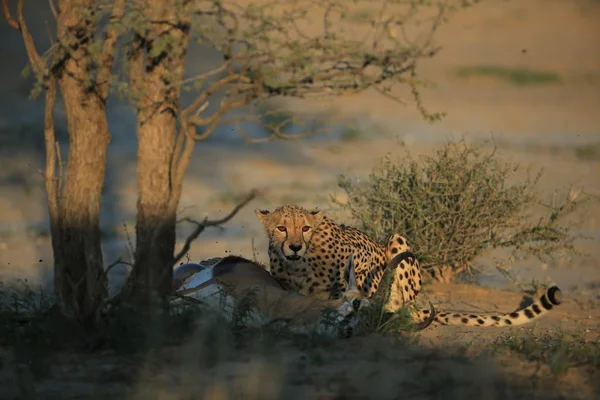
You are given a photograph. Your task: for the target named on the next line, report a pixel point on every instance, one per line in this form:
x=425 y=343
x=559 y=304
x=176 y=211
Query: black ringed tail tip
x=429 y=320
x=554 y=295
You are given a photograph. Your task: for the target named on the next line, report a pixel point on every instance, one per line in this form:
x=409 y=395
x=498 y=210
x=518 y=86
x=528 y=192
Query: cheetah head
x=290 y=229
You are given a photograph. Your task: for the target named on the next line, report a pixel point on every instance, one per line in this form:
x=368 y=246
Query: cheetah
x=309 y=254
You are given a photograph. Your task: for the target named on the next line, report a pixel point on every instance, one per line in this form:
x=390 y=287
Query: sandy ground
x=546 y=126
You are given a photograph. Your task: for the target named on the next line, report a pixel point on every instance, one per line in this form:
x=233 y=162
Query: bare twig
x=195 y=118
x=179 y=164
x=200 y=226
x=387 y=94
x=7 y=14
x=190 y=113
x=34 y=57
x=50 y=36
x=53 y=184
x=114 y=264
x=274 y=131
x=215 y=119
x=53 y=8
x=207 y=74
x=184 y=209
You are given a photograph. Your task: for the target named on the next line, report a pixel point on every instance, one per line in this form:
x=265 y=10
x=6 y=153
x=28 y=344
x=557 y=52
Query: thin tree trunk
x=154 y=77
x=79 y=279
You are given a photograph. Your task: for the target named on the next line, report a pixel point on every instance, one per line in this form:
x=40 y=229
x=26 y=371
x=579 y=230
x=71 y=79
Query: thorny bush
x=458 y=204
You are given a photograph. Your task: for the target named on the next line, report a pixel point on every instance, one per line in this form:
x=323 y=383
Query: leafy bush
x=456 y=205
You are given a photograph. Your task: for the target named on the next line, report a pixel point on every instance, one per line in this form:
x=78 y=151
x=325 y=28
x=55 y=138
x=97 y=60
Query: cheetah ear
x=352 y=286
x=316 y=213
x=262 y=214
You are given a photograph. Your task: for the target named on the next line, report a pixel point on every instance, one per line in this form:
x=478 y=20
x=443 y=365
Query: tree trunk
x=154 y=247
x=79 y=279
x=155 y=78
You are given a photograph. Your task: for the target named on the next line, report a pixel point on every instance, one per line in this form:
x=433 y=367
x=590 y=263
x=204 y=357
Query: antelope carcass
x=233 y=279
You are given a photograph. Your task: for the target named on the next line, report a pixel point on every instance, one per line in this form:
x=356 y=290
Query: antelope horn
x=387 y=279
x=352 y=286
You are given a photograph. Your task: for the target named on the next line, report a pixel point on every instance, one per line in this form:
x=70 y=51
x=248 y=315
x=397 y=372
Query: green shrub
x=455 y=205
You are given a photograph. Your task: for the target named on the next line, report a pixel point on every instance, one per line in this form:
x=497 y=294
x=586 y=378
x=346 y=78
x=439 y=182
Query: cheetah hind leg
x=550 y=299
x=384 y=292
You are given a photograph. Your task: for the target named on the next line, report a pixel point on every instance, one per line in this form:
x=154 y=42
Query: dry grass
x=560 y=351
x=198 y=354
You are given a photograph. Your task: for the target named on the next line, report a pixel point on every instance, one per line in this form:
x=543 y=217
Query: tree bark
x=79 y=279
x=155 y=78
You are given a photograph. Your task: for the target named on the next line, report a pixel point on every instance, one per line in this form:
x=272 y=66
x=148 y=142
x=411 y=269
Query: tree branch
x=52 y=157
x=201 y=100
x=275 y=131
x=120 y=261
x=107 y=56
x=214 y=120
x=53 y=8
x=9 y=18
x=136 y=68
x=180 y=165
x=36 y=61
x=279 y=60
x=207 y=74
x=184 y=145
x=200 y=226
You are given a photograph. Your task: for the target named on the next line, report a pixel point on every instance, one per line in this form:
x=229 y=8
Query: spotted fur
x=550 y=299
x=309 y=253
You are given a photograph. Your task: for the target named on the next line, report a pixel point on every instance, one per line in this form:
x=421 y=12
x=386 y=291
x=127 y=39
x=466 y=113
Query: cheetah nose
x=295 y=247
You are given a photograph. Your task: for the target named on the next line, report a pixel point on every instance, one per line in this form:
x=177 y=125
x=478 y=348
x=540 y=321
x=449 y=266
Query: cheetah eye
x=281 y=228
x=305 y=228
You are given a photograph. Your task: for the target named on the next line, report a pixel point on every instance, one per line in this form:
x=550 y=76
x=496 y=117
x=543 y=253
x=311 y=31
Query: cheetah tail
x=427 y=318
x=550 y=299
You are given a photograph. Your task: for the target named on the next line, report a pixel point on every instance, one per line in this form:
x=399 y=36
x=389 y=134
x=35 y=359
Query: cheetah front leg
x=407 y=277
x=406 y=281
